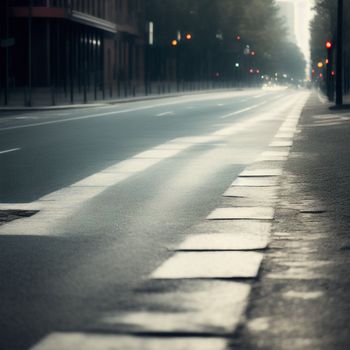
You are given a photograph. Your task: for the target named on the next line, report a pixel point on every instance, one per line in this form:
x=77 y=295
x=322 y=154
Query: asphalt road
x=67 y=267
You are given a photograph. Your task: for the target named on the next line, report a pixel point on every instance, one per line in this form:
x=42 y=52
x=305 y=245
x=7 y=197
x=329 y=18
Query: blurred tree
x=323 y=28
x=215 y=25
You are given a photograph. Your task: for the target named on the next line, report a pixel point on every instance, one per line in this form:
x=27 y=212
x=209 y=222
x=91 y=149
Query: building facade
x=70 y=51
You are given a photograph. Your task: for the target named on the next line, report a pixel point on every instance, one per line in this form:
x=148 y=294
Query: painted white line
x=105 y=114
x=261 y=172
x=238 y=213
x=260 y=193
x=164 y=114
x=90 y=341
x=224 y=241
x=82 y=117
x=26 y=117
x=248 y=227
x=210 y=307
x=260 y=95
x=210 y=265
x=255 y=181
x=10 y=150
x=239 y=112
x=281 y=144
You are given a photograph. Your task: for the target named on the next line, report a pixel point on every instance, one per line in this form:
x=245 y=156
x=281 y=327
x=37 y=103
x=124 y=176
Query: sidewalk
x=302 y=298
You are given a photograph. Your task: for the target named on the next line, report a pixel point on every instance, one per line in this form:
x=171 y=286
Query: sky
x=303 y=15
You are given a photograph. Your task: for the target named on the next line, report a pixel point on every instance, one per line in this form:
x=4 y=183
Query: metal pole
x=7 y=55
x=339 y=67
x=29 y=102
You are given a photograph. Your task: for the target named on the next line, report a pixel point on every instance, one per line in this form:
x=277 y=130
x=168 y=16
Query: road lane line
x=102 y=341
x=239 y=112
x=10 y=150
x=64 y=201
x=165 y=113
x=129 y=110
x=260 y=95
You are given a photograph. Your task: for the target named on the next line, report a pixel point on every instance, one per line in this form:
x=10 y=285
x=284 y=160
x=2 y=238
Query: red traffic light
x=328 y=44
x=238 y=37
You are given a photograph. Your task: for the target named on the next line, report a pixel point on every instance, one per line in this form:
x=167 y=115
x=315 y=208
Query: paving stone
x=209 y=308
x=255 y=181
x=237 y=241
x=237 y=213
x=210 y=265
x=81 y=341
x=261 y=173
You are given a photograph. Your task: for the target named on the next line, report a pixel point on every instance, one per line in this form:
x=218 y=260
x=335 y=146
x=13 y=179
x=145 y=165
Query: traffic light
x=174 y=42
x=328 y=44
x=188 y=36
x=238 y=37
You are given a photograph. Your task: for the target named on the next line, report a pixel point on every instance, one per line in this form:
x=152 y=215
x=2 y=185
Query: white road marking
x=225 y=241
x=281 y=143
x=192 y=265
x=239 y=213
x=248 y=227
x=210 y=307
x=260 y=95
x=255 y=181
x=261 y=172
x=128 y=110
x=303 y=295
x=239 y=112
x=268 y=193
x=10 y=150
x=164 y=114
x=91 y=341
x=26 y=117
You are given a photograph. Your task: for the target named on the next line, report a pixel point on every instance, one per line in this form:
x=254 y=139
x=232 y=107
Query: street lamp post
x=329 y=70
x=29 y=102
x=339 y=62
x=7 y=54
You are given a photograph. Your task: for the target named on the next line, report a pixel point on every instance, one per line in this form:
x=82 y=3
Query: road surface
x=116 y=189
